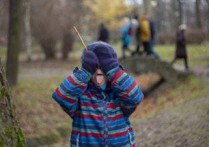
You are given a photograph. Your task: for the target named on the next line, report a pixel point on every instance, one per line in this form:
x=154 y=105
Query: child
x=99 y=97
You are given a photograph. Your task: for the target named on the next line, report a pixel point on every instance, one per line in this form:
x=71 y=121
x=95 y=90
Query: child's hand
x=107 y=58
x=90 y=61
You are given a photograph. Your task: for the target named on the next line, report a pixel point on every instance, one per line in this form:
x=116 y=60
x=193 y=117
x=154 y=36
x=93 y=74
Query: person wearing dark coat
x=181 y=52
x=151 y=50
x=103 y=33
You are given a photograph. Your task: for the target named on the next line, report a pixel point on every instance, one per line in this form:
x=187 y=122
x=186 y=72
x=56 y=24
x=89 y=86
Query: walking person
x=126 y=32
x=145 y=34
x=137 y=38
x=99 y=97
x=103 y=34
x=181 y=52
x=152 y=41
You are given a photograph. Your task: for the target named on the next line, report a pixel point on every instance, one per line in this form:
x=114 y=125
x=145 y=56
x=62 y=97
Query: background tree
x=69 y=21
x=14 y=40
x=107 y=11
x=4 y=17
x=10 y=132
x=146 y=4
x=52 y=22
x=207 y=12
x=27 y=29
x=198 y=14
x=181 y=11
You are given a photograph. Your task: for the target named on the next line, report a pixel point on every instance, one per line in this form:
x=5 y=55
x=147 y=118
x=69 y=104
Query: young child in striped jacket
x=99 y=97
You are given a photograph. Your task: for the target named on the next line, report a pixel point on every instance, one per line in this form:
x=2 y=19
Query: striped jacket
x=100 y=117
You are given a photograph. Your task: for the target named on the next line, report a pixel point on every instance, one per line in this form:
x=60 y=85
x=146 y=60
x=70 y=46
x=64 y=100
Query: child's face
x=99 y=77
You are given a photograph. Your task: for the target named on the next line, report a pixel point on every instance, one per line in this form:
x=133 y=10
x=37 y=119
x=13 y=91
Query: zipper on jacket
x=129 y=134
x=77 y=140
x=105 y=115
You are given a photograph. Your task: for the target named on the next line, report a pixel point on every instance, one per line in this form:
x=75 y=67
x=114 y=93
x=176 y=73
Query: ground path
x=184 y=125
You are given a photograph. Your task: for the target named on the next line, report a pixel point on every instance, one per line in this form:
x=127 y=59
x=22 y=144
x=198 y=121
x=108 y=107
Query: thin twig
x=80 y=38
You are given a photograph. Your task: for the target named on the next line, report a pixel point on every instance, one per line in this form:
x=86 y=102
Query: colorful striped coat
x=100 y=117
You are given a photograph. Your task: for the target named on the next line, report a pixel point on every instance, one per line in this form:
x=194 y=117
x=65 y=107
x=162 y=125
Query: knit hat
x=99 y=47
x=105 y=54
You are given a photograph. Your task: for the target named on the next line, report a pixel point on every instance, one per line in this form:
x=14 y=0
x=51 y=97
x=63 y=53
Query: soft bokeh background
x=173 y=115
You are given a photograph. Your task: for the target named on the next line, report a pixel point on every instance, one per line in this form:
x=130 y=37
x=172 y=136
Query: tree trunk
x=146 y=6
x=48 y=46
x=67 y=44
x=207 y=1
x=198 y=14
x=10 y=132
x=27 y=36
x=175 y=14
x=180 y=12
x=14 y=40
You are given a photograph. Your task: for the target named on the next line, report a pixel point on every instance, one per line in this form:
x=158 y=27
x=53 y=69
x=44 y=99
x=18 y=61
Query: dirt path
x=184 y=125
x=45 y=69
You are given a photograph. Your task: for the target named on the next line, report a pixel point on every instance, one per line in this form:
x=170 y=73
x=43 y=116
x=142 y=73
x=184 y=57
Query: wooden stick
x=80 y=38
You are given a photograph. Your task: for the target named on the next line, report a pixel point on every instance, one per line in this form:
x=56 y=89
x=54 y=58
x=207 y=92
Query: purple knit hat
x=105 y=54
x=103 y=48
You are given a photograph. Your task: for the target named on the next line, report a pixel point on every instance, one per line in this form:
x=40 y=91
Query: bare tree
x=10 y=132
x=207 y=2
x=69 y=21
x=46 y=25
x=14 y=40
x=27 y=29
x=52 y=21
x=146 y=6
x=198 y=14
x=181 y=12
x=4 y=17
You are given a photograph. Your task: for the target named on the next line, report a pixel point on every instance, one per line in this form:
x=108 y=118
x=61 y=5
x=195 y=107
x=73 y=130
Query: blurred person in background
x=126 y=32
x=136 y=36
x=152 y=41
x=100 y=97
x=145 y=33
x=103 y=34
x=181 y=52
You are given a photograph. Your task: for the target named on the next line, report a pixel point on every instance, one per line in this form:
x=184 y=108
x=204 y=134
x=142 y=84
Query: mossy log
x=143 y=64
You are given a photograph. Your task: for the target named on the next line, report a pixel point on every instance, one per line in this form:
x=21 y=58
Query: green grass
x=39 y=114
x=198 y=55
x=189 y=89
x=2 y=52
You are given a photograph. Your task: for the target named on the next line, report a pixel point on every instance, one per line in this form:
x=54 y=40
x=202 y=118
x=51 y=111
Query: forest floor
x=183 y=125
x=174 y=116
x=177 y=117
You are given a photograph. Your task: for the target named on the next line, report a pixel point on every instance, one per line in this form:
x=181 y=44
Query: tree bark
x=198 y=14
x=207 y=1
x=14 y=40
x=27 y=28
x=10 y=132
x=48 y=46
x=181 y=15
x=146 y=6
x=68 y=41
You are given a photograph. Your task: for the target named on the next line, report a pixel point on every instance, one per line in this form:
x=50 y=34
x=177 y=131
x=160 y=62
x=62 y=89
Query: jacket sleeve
x=126 y=89
x=72 y=87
